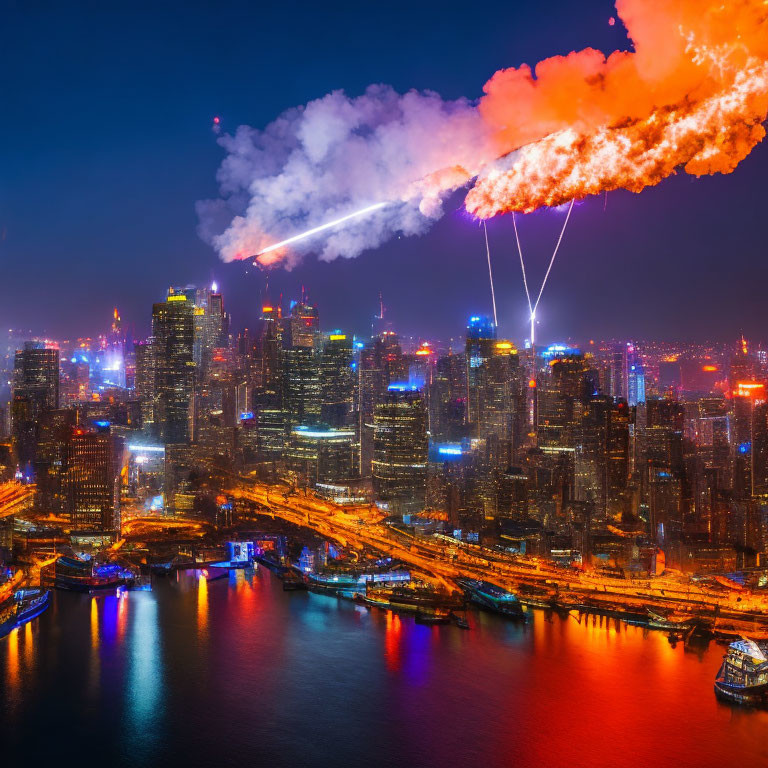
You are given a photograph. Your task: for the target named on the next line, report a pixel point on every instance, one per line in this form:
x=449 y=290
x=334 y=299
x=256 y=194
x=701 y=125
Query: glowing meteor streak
x=321 y=228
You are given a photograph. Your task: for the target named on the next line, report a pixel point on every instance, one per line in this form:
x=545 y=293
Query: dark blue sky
x=106 y=145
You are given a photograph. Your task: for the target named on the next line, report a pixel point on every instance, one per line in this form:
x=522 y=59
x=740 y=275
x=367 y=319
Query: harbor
x=157 y=666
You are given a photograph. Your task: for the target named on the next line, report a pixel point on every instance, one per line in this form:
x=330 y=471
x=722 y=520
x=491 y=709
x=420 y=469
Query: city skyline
x=690 y=245
x=384 y=384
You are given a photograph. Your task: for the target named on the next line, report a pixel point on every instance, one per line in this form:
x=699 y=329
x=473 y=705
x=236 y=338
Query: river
x=238 y=672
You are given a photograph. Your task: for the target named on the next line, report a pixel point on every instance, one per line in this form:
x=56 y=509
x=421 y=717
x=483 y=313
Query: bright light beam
x=552 y=260
x=522 y=264
x=321 y=228
x=490 y=275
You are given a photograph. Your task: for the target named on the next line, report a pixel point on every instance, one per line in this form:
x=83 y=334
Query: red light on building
x=532 y=383
x=709 y=368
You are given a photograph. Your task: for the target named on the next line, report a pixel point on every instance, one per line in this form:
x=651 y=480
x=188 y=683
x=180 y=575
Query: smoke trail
x=692 y=94
x=338 y=154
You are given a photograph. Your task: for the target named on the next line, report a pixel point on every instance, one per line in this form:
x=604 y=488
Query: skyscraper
x=173 y=333
x=481 y=338
x=337 y=380
x=211 y=327
x=35 y=390
x=92 y=480
x=400 y=450
x=146 y=375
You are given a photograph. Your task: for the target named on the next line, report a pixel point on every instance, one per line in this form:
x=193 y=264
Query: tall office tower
x=303 y=325
x=481 y=338
x=144 y=388
x=35 y=389
x=748 y=439
x=337 y=380
x=302 y=394
x=92 y=480
x=372 y=385
x=501 y=397
x=660 y=435
x=712 y=432
x=560 y=391
x=392 y=359
x=54 y=429
x=9 y=344
x=601 y=459
x=400 y=451
x=36 y=375
x=268 y=352
x=635 y=377
x=448 y=399
x=173 y=344
x=618 y=361
x=381 y=362
x=665 y=507
x=421 y=372
x=211 y=328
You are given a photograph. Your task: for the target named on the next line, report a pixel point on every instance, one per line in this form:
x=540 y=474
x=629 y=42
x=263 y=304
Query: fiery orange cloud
x=693 y=94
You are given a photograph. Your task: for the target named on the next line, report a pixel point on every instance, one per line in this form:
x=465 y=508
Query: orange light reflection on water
x=13 y=660
x=94 y=624
x=29 y=645
x=202 y=605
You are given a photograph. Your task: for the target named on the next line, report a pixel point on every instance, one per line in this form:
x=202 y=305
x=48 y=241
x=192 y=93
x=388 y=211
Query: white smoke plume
x=334 y=156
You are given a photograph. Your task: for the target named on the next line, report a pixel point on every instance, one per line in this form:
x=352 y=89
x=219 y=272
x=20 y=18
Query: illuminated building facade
x=400 y=450
x=173 y=344
x=337 y=380
x=321 y=454
x=92 y=480
x=35 y=389
x=480 y=342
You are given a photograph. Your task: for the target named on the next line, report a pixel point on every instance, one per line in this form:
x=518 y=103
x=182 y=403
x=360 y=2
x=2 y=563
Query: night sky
x=106 y=145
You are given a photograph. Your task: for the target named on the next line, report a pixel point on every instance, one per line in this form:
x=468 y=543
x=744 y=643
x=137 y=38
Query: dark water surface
x=237 y=672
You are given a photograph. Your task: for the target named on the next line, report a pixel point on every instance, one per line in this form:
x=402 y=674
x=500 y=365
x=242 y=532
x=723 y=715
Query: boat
x=24 y=606
x=494 y=598
x=743 y=675
x=77 y=575
x=412 y=599
x=349 y=583
x=672 y=622
x=433 y=617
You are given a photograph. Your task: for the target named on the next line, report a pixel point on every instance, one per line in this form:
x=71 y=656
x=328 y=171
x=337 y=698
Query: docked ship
x=354 y=582
x=419 y=600
x=671 y=622
x=77 y=575
x=496 y=599
x=25 y=605
x=743 y=675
